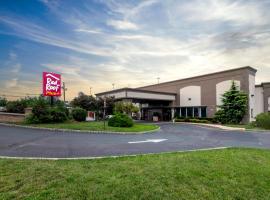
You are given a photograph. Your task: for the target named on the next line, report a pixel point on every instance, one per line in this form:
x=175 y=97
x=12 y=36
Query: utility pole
x=158 y=80
x=64 y=91
x=90 y=91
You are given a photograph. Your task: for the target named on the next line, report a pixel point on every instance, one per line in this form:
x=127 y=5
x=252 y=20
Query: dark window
x=177 y=112
x=203 y=111
x=183 y=112
x=190 y=112
x=196 y=112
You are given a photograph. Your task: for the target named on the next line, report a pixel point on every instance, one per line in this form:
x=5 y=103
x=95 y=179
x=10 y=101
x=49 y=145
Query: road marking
x=149 y=140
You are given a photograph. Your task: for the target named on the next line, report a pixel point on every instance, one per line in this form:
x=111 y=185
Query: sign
x=51 y=84
x=91 y=116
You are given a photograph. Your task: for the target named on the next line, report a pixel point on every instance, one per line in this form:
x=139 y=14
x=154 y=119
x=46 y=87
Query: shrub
x=193 y=120
x=17 y=106
x=199 y=121
x=180 y=120
x=43 y=113
x=120 y=120
x=57 y=115
x=263 y=120
x=40 y=112
x=79 y=114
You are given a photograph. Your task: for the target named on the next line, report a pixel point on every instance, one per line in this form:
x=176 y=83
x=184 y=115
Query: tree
x=3 y=102
x=84 y=101
x=125 y=107
x=109 y=105
x=234 y=106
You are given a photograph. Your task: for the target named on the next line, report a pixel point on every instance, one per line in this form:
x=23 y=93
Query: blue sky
x=128 y=43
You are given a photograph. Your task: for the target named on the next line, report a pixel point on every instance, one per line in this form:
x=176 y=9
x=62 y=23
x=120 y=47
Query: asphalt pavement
x=23 y=142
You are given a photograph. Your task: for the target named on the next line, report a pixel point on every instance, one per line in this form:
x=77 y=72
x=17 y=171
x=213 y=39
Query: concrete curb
x=215 y=126
x=78 y=131
x=104 y=157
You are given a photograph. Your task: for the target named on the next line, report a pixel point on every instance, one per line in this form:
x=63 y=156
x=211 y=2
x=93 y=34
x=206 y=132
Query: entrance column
x=172 y=113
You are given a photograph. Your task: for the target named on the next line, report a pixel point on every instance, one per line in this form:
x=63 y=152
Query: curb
x=119 y=156
x=215 y=126
x=77 y=131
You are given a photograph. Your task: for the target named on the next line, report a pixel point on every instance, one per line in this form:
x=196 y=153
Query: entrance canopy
x=130 y=93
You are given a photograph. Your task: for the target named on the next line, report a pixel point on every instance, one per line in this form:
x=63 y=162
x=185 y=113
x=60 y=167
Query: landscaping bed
x=215 y=174
x=96 y=126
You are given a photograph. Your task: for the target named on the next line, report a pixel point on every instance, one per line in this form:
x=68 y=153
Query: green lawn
x=98 y=126
x=217 y=174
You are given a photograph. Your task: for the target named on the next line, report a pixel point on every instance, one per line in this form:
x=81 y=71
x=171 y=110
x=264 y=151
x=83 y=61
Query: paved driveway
x=41 y=143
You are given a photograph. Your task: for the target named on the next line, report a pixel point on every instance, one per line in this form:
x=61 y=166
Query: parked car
x=3 y=109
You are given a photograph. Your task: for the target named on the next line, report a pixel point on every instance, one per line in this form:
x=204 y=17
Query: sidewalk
x=215 y=126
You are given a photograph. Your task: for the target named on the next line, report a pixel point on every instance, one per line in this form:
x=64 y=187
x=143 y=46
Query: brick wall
x=11 y=117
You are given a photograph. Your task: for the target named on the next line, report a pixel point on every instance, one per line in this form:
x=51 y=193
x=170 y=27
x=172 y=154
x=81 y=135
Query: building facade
x=197 y=96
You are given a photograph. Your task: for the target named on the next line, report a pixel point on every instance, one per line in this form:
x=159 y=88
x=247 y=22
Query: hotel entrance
x=156 y=114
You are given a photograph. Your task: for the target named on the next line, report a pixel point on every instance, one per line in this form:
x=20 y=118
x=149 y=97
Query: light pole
x=90 y=91
x=64 y=91
x=113 y=86
x=158 y=80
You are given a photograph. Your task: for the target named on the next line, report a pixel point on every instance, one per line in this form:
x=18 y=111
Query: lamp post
x=64 y=91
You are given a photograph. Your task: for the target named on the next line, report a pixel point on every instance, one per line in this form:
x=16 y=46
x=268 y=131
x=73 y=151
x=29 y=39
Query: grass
x=98 y=126
x=217 y=174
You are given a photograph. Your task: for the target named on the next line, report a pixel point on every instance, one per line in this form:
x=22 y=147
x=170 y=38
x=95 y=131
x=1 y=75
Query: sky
x=130 y=43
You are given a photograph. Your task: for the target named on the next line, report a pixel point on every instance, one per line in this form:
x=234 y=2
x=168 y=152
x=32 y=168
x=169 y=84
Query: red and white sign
x=51 y=84
x=91 y=116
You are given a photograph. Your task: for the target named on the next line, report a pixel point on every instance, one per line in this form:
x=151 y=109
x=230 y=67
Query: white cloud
x=89 y=31
x=39 y=34
x=248 y=13
x=167 y=39
x=122 y=25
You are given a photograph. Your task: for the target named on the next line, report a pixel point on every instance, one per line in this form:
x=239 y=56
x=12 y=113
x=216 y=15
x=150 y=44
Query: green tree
x=125 y=107
x=109 y=106
x=3 y=102
x=234 y=106
x=84 y=101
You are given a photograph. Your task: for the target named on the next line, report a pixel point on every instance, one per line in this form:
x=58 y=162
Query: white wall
x=190 y=92
x=259 y=103
x=222 y=87
x=251 y=97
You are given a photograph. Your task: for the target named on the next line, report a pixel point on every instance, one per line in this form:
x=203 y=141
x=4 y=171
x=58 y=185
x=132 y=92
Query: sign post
x=51 y=85
x=104 y=112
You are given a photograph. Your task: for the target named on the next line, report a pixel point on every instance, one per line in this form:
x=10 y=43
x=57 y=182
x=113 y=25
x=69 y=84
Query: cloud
x=88 y=31
x=248 y=13
x=39 y=34
x=134 y=42
x=122 y=25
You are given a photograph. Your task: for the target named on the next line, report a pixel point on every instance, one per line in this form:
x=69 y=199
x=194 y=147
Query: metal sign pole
x=104 y=112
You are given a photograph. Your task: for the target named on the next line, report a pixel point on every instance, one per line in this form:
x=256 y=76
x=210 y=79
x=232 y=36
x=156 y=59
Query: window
x=183 y=112
x=190 y=112
x=203 y=111
x=196 y=112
